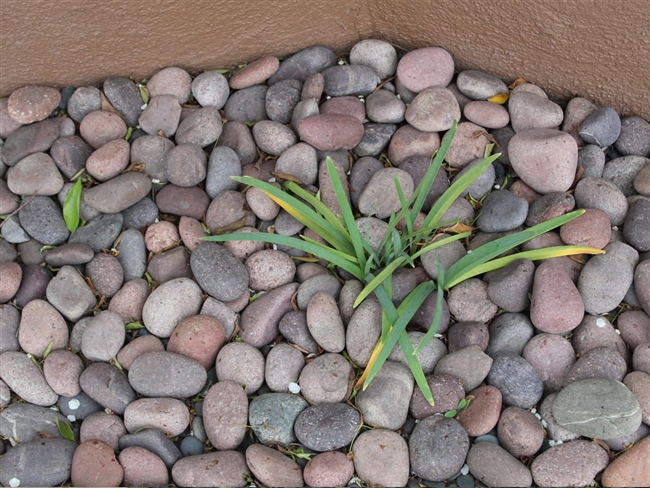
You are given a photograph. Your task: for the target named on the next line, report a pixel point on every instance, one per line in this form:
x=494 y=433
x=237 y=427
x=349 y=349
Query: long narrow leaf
x=533 y=255
x=437 y=315
x=408 y=220
x=71 y=207
x=316 y=250
x=416 y=367
x=378 y=280
x=440 y=242
x=348 y=217
x=404 y=313
x=324 y=247
x=299 y=211
x=456 y=188
x=503 y=244
x=427 y=182
x=319 y=206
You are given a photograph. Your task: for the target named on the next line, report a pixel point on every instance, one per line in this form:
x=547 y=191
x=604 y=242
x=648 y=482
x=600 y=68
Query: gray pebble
x=169 y=304
x=502 y=211
x=327 y=427
x=33 y=285
x=151 y=151
x=272 y=417
x=79 y=407
x=106 y=384
x=623 y=171
x=100 y=233
x=22 y=421
x=281 y=99
x=69 y=293
x=218 y=272
x=636 y=229
x=302 y=64
x=38 y=462
x=154 y=441
x=283 y=366
x=479 y=85
x=237 y=136
x=223 y=164
x=315 y=284
x=241 y=363
x=132 y=254
x=140 y=214
x=191 y=446
x=634 y=138
x=375 y=139
x=592 y=159
x=103 y=337
x=125 y=96
x=162 y=374
x=247 y=105
x=211 y=89
x=518 y=382
x=377 y=54
x=42 y=218
x=84 y=100
x=509 y=333
x=601 y=127
x=202 y=127
x=293 y=326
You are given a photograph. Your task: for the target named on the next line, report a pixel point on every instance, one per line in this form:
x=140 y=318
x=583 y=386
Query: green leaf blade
x=71 y=207
x=64 y=429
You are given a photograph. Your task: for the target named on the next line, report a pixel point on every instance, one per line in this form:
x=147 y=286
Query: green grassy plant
x=350 y=251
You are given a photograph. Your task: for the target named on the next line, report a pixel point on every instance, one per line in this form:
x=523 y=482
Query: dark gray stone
x=99 y=233
x=375 y=139
x=69 y=293
x=140 y=214
x=293 y=326
x=601 y=127
x=118 y=193
x=33 y=285
x=191 y=446
x=70 y=154
x=155 y=441
x=518 y=382
x=503 y=136
x=106 y=384
x=223 y=164
x=28 y=139
x=599 y=408
x=80 y=406
x=311 y=286
x=509 y=287
x=84 y=100
x=281 y=99
x=592 y=159
x=482 y=184
x=502 y=211
x=360 y=175
x=272 y=416
x=327 y=427
x=218 y=272
x=41 y=462
x=634 y=138
x=509 y=333
x=304 y=63
x=247 y=105
x=12 y=232
x=22 y=421
x=636 y=229
x=42 y=219
x=125 y=96
x=549 y=206
x=133 y=254
x=438 y=447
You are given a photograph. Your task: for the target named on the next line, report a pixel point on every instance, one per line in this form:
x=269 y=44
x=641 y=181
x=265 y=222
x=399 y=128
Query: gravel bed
x=173 y=360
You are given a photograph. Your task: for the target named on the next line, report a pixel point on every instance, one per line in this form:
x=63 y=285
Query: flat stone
x=272 y=416
x=241 y=363
x=99 y=127
x=520 y=432
x=161 y=374
x=636 y=228
x=634 y=138
x=494 y=466
x=326 y=379
x=119 y=193
x=599 y=408
x=408 y=141
x=32 y=103
x=106 y=384
x=273 y=468
x=602 y=127
x=425 y=67
x=532 y=111
x=35 y=175
x=479 y=85
x=138 y=346
x=327 y=427
x=22 y=422
x=519 y=383
x=349 y=80
x=631 y=468
x=69 y=293
x=223 y=468
x=381 y=458
x=482 y=414
x=293 y=326
x=155 y=441
x=247 y=105
x=283 y=366
x=43 y=220
x=447 y=391
x=328 y=469
x=169 y=304
x=573 y=464
x=545 y=159
x=94 y=464
x=552 y=356
x=438 y=447
x=385 y=402
x=330 y=132
x=470 y=365
x=162 y=115
x=198 y=337
x=190 y=202
x=78 y=407
x=301 y=65
x=168 y=415
x=601 y=288
x=142 y=467
x=39 y=462
x=133 y=255
x=433 y=110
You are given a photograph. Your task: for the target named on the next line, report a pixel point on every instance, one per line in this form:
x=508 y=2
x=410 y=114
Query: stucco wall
x=598 y=49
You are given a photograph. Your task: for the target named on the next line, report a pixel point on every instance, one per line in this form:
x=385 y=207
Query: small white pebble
x=464 y=470
x=29 y=356
x=72 y=418
x=156 y=181
x=544 y=423
x=55 y=408
x=469 y=251
x=341 y=62
x=74 y=404
x=13 y=482
x=365 y=121
x=143 y=107
x=601 y=322
x=498 y=187
x=294 y=388
x=614 y=227
x=272 y=180
x=312 y=355
x=275 y=247
x=538 y=416
x=437 y=335
x=617 y=331
x=327 y=97
x=533 y=410
x=551 y=443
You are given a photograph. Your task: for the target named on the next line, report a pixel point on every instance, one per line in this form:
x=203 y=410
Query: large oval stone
x=222 y=468
x=106 y=384
x=225 y=415
x=166 y=374
x=545 y=159
x=118 y=193
x=169 y=304
x=599 y=408
x=38 y=462
x=272 y=417
x=328 y=426
x=22 y=375
x=218 y=272
x=331 y=132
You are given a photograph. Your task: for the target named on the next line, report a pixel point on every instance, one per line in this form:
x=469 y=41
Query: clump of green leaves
x=464 y=403
x=350 y=251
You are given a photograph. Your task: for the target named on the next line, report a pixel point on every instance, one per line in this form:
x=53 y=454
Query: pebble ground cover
x=133 y=352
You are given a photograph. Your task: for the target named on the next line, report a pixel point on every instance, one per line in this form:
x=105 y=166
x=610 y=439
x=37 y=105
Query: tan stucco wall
x=599 y=49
